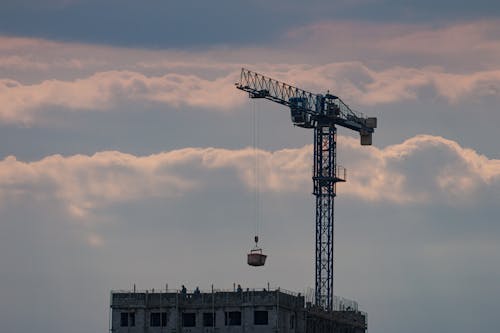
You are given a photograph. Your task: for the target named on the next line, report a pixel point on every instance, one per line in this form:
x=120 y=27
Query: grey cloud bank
x=424 y=169
x=192 y=23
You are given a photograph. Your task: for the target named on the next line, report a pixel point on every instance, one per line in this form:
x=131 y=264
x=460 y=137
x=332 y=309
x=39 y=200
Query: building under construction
x=229 y=311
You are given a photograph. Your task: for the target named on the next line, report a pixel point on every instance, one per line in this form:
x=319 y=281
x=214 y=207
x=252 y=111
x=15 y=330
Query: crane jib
x=307 y=109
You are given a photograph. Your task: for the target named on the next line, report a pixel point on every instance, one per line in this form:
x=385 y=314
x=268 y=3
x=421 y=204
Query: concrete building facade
x=262 y=311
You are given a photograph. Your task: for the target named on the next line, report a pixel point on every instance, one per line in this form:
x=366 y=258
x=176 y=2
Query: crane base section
x=320 y=321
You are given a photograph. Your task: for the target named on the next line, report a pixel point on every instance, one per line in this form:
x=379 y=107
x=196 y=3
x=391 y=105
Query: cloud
x=456 y=47
x=357 y=82
x=102 y=91
x=20 y=43
x=84 y=183
x=21 y=103
x=404 y=61
x=423 y=169
x=463 y=45
x=22 y=53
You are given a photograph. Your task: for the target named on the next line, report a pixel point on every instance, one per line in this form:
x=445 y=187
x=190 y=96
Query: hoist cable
x=255 y=170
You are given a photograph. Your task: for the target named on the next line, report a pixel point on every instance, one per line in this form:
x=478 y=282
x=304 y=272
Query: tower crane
x=321 y=112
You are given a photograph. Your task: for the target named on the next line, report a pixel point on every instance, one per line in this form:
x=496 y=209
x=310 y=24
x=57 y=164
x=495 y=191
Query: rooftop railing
x=166 y=297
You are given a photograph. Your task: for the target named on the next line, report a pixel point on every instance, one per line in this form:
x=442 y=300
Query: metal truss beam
x=324 y=179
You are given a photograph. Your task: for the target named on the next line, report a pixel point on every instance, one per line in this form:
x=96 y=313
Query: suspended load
x=256 y=257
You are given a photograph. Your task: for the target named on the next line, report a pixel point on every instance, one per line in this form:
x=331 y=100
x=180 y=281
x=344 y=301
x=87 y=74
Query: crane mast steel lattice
x=322 y=113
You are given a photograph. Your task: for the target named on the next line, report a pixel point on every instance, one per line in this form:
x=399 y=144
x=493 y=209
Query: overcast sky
x=126 y=155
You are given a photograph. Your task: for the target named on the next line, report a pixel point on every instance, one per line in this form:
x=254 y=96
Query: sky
x=127 y=157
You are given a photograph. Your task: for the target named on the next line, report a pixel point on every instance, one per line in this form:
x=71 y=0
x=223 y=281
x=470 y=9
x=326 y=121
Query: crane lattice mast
x=322 y=113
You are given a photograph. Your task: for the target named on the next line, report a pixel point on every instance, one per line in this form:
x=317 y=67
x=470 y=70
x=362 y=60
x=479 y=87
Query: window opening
x=189 y=319
x=260 y=318
x=208 y=319
x=233 y=318
x=157 y=319
x=127 y=319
